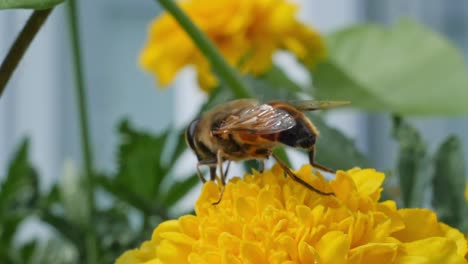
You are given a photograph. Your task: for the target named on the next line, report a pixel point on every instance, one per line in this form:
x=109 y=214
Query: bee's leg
x=213 y=172
x=261 y=165
x=200 y=174
x=212 y=163
x=221 y=192
x=316 y=165
x=297 y=179
x=219 y=157
x=227 y=168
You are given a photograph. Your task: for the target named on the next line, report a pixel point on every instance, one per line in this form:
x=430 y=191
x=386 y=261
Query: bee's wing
x=311 y=105
x=260 y=119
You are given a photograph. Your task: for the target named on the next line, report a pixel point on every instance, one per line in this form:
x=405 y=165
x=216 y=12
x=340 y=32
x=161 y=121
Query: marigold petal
x=304 y=213
x=307 y=253
x=374 y=253
x=167 y=226
x=211 y=257
x=129 y=257
x=279 y=257
x=457 y=236
x=169 y=252
x=154 y=261
x=246 y=208
x=209 y=195
x=205 y=77
x=419 y=224
x=267 y=198
x=229 y=243
x=230 y=259
x=333 y=247
x=189 y=225
x=195 y=258
x=252 y=253
x=389 y=209
x=282 y=17
x=177 y=238
x=368 y=182
x=288 y=244
x=343 y=185
x=432 y=250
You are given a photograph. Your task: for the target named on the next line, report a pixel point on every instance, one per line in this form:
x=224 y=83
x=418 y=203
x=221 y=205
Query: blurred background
x=39 y=100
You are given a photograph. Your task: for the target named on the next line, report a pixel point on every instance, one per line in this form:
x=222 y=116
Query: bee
x=244 y=129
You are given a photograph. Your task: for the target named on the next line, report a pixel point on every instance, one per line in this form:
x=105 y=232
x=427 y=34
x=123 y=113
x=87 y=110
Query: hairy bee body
x=202 y=140
x=249 y=145
x=244 y=129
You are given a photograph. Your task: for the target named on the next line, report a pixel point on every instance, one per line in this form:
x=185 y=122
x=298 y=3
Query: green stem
x=219 y=64
x=21 y=44
x=91 y=240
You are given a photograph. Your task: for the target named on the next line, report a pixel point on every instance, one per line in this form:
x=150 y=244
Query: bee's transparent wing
x=311 y=105
x=261 y=119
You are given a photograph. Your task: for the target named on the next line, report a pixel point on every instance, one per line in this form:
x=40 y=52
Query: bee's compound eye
x=189 y=133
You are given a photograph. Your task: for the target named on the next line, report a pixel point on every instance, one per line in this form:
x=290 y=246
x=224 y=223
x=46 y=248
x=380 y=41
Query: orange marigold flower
x=246 y=32
x=267 y=218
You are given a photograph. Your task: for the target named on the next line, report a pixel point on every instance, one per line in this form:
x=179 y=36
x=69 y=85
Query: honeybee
x=244 y=129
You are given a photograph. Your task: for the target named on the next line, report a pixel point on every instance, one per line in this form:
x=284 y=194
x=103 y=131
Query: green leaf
x=19 y=194
x=405 y=69
x=179 y=189
x=334 y=149
x=50 y=198
x=30 y=4
x=27 y=250
x=20 y=190
x=67 y=229
x=123 y=193
x=413 y=164
x=449 y=182
x=9 y=226
x=278 y=79
x=140 y=161
x=274 y=84
x=282 y=155
x=266 y=90
x=115 y=233
x=218 y=96
x=250 y=165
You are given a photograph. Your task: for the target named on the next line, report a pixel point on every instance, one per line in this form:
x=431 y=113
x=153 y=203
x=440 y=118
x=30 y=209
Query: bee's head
x=190 y=133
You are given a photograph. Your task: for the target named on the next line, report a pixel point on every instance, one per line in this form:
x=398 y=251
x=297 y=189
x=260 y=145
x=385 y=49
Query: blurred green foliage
x=434 y=180
x=143 y=188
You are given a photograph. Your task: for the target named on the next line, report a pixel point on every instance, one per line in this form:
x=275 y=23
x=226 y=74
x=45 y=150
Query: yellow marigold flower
x=269 y=218
x=246 y=32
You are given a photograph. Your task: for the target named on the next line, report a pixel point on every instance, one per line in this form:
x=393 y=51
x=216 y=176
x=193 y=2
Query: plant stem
x=21 y=44
x=91 y=240
x=218 y=63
